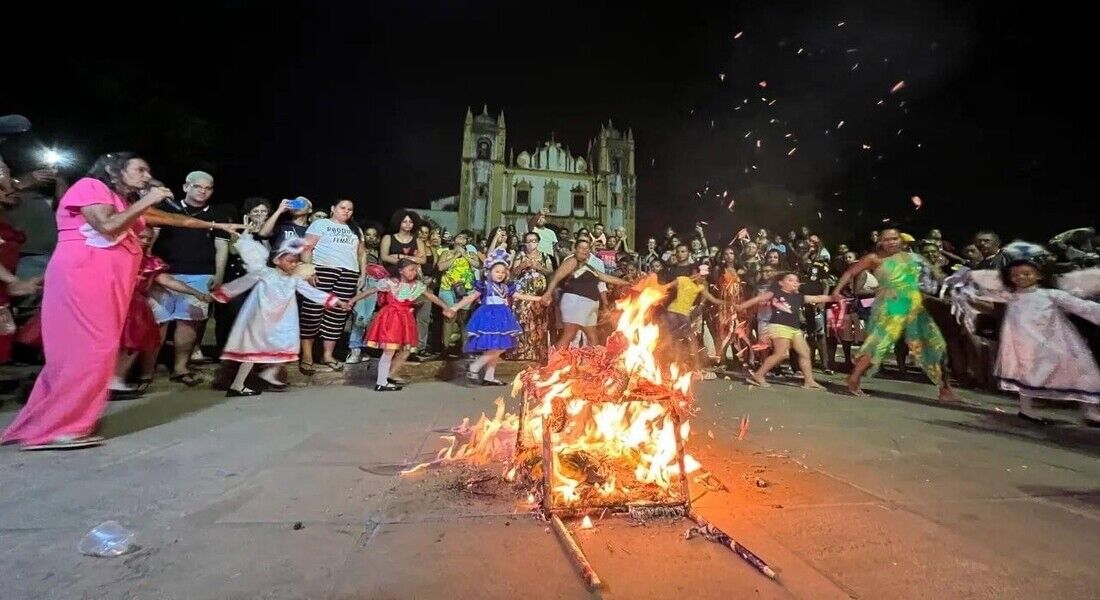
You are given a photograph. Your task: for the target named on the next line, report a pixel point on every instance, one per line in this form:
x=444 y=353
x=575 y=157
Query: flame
x=620 y=408
x=619 y=418
x=489 y=440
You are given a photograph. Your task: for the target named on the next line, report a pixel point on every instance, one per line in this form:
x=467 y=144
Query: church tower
x=481 y=191
x=612 y=157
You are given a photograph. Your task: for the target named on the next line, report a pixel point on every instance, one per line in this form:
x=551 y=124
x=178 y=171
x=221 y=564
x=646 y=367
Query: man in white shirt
x=547 y=237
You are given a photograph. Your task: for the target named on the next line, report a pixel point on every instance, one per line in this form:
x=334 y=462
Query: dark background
x=367 y=102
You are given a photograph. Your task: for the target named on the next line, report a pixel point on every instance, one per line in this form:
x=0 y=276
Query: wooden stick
x=547 y=467
x=685 y=490
x=591 y=579
x=720 y=537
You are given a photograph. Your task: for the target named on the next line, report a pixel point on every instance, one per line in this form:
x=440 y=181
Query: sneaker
x=354 y=357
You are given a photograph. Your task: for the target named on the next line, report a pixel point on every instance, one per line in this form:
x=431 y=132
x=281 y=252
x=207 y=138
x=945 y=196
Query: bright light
x=52 y=158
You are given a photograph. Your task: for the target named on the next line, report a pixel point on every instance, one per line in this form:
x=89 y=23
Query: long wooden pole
x=718 y=536
x=591 y=579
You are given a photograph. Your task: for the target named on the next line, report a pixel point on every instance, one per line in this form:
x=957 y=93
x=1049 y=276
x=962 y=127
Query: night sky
x=367 y=102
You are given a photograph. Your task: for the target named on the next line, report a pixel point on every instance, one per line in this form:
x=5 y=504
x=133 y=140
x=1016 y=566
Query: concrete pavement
x=885 y=497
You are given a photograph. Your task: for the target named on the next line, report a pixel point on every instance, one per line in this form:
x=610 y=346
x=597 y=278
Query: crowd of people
x=134 y=274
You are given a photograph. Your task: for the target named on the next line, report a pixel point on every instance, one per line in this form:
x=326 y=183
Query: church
x=498 y=187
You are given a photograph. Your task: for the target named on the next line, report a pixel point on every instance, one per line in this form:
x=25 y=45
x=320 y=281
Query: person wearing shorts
x=785 y=328
x=196 y=257
x=580 y=299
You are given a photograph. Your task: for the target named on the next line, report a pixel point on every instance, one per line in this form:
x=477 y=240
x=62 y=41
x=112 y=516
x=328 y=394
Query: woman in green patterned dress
x=898 y=311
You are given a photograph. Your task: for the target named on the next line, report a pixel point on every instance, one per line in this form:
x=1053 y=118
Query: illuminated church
x=500 y=188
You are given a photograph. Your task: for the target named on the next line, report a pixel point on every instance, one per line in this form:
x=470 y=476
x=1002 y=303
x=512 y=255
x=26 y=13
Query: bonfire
x=601 y=429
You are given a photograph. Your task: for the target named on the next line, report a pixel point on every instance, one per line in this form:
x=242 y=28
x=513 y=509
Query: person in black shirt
x=279 y=229
x=197 y=257
x=784 y=328
x=682 y=265
x=989 y=244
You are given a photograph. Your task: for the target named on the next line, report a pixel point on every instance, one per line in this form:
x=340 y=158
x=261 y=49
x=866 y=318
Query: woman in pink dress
x=89 y=282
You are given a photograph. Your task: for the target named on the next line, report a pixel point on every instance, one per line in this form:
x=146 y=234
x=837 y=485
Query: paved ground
x=885 y=497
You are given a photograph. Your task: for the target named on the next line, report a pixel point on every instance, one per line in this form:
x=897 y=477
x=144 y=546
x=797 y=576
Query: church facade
x=499 y=188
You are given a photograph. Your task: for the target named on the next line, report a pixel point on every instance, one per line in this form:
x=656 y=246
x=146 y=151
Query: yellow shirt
x=686 y=293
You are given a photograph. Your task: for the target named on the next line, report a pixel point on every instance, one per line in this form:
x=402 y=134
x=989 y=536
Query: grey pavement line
x=1045 y=501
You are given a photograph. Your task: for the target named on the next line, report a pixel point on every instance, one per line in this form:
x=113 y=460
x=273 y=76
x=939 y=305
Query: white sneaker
x=354 y=357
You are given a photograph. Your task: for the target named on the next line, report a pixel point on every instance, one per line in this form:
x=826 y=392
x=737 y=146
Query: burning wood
x=601 y=429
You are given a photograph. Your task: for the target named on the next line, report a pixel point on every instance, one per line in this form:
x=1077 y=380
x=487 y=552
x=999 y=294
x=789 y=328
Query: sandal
x=189 y=379
x=335 y=365
x=389 y=387
x=306 y=369
x=143 y=385
x=396 y=381
x=473 y=377
x=492 y=382
x=241 y=393
x=67 y=443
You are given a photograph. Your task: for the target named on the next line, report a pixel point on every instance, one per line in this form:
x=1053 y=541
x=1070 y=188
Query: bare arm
x=160 y=218
x=108 y=221
x=466 y=301
x=567 y=266
x=435 y=300
x=363 y=294
x=864 y=264
x=762 y=298
x=19 y=287
x=221 y=256
x=446 y=259
x=269 y=225
x=168 y=282
x=822 y=299
x=609 y=279
x=384 y=251
x=311 y=243
x=527 y=297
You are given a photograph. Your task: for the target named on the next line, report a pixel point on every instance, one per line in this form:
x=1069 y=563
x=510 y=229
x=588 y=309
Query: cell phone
x=297 y=203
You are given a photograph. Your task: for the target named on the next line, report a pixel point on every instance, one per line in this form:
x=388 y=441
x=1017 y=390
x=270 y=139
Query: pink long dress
x=85 y=297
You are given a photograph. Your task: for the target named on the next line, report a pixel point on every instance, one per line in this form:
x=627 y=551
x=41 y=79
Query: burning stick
x=712 y=533
x=591 y=579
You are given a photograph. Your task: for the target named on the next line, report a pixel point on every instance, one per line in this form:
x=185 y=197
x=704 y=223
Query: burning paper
x=917 y=202
x=897 y=87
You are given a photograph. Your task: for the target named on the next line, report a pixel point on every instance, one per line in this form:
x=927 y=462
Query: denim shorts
x=174 y=306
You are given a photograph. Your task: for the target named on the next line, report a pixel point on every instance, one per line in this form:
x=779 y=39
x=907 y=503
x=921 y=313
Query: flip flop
x=1033 y=419
x=336 y=366
x=189 y=379
x=66 y=443
x=752 y=381
x=306 y=369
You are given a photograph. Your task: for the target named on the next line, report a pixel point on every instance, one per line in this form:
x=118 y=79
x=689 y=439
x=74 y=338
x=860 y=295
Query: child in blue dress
x=493 y=327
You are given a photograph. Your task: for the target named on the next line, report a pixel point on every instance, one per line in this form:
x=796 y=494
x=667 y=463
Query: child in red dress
x=141 y=334
x=394 y=326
